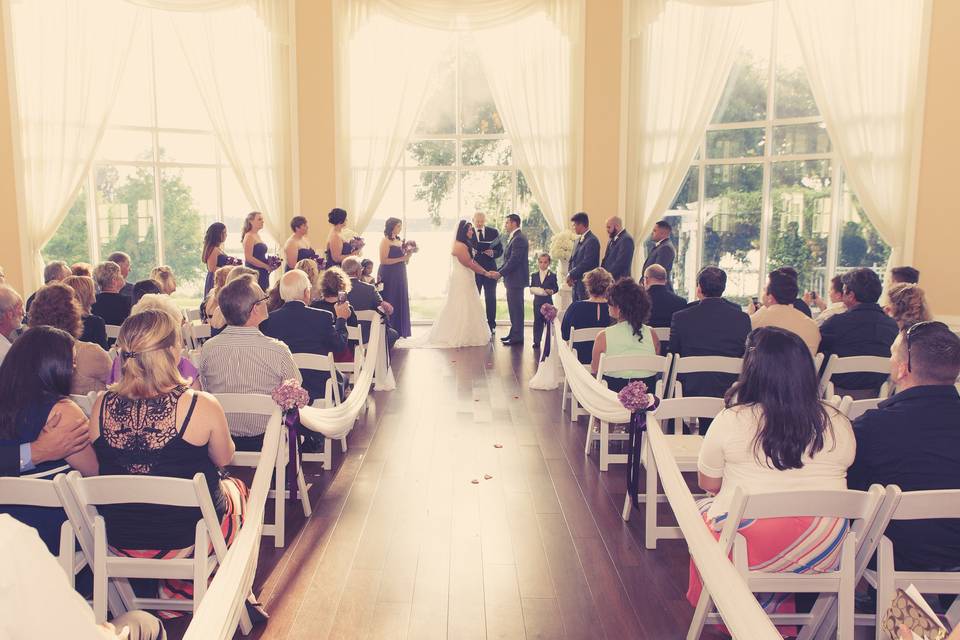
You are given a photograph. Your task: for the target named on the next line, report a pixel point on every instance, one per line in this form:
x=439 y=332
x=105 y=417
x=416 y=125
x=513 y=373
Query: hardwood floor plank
x=541 y=619
x=504 y=612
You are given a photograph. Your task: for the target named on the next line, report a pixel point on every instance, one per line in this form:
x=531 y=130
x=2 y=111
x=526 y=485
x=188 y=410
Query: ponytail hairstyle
x=213 y=238
x=633 y=301
x=149 y=354
x=248 y=224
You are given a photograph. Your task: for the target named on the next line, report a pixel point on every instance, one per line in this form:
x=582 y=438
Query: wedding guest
x=393 y=274
x=111 y=305
x=186 y=434
x=307 y=330
x=489 y=250
x=333 y=283
x=54 y=272
x=586 y=255
x=337 y=247
x=3 y=276
x=904 y=275
x=366 y=271
x=213 y=255
x=907 y=305
x=799 y=303
x=776 y=434
x=274 y=301
x=309 y=267
x=11 y=317
x=365 y=297
x=209 y=304
x=35 y=386
x=123 y=261
x=544 y=279
x=910 y=440
x=243 y=360
x=618 y=256
x=630 y=336
x=94 y=328
x=145 y=288
x=589 y=313
x=255 y=249
x=82 y=269
x=836 y=301
x=297 y=246
x=663 y=252
x=217 y=322
x=664 y=302
x=863 y=330
x=165 y=278
x=778 y=310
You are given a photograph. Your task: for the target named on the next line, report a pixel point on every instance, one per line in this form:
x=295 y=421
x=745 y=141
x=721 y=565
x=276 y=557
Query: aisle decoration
x=546 y=378
x=639 y=403
x=291 y=397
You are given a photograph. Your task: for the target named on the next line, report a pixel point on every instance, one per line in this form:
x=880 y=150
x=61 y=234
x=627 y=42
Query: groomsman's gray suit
x=662 y=254
x=619 y=255
x=586 y=257
x=515 y=280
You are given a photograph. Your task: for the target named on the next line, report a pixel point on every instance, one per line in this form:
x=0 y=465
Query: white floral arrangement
x=353 y=238
x=561 y=246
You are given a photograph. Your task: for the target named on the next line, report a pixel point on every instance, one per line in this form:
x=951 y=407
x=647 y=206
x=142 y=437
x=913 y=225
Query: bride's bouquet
x=354 y=239
x=561 y=246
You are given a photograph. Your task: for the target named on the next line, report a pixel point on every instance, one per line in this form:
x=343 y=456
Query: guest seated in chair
x=589 y=313
x=907 y=305
x=664 y=302
x=910 y=440
x=185 y=432
x=94 y=328
x=776 y=434
x=35 y=381
x=111 y=305
x=243 y=360
x=11 y=317
x=630 y=336
x=365 y=297
x=333 y=283
x=778 y=309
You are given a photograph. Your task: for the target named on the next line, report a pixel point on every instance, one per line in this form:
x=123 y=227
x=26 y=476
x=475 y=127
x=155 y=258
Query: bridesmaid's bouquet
x=321 y=261
x=354 y=239
x=232 y=262
x=409 y=246
x=273 y=261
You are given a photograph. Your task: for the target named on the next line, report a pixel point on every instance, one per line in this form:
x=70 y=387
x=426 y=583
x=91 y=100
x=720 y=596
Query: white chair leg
x=590 y=436
x=652 y=496
x=953 y=613
x=845 y=604
x=327 y=460
x=604 y=445
x=304 y=497
x=704 y=604
x=627 y=508
x=885 y=582
x=279 y=495
x=343 y=444
x=200 y=566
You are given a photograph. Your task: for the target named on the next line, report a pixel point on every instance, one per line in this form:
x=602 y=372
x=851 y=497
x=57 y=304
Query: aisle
x=403 y=545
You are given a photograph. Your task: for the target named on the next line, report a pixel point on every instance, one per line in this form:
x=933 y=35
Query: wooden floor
x=402 y=544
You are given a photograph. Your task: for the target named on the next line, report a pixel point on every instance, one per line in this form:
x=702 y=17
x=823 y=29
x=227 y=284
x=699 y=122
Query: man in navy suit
x=546 y=280
x=515 y=277
x=586 y=255
x=663 y=252
x=663 y=303
x=489 y=250
x=305 y=329
x=619 y=253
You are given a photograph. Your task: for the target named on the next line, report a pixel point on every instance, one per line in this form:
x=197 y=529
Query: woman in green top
x=630 y=308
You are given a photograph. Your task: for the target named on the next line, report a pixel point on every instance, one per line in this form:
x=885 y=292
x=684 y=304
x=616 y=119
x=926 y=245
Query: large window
x=459 y=161
x=159 y=177
x=766 y=188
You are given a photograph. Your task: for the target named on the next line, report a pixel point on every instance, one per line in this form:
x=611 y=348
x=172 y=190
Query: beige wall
x=937 y=221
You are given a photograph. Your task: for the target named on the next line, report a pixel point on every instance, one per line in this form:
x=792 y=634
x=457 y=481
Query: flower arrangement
x=561 y=246
x=289 y=395
x=409 y=246
x=548 y=311
x=634 y=397
x=321 y=261
x=354 y=239
x=232 y=262
x=273 y=261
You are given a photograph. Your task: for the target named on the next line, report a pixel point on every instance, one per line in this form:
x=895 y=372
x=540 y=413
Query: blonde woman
x=907 y=304
x=217 y=322
x=209 y=305
x=94 y=328
x=255 y=249
x=314 y=274
x=165 y=278
x=185 y=432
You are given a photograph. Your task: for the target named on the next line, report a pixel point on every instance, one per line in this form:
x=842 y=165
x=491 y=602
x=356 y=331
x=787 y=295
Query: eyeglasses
x=916 y=330
x=258 y=301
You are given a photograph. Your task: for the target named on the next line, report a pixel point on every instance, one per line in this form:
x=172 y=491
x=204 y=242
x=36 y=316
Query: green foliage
x=70 y=241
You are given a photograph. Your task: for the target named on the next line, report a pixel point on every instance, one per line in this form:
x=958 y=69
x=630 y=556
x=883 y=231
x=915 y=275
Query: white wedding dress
x=462 y=321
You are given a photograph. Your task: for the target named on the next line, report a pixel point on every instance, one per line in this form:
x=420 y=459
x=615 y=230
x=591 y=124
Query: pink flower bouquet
x=290 y=395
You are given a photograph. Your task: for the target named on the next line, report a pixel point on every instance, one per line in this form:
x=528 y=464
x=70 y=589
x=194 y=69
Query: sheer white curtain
x=680 y=55
x=68 y=59
x=864 y=60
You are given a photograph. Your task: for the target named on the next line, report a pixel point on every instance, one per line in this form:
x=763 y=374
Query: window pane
x=735 y=143
x=70 y=242
x=439 y=109
x=535 y=225
x=487 y=191
x=486 y=152
x=731 y=210
x=745 y=96
x=792 y=96
x=235 y=209
x=431 y=195
x=801 y=138
x=478 y=113
x=191 y=148
x=189 y=206
x=126 y=216
x=860 y=245
x=802 y=206
x=124 y=145
x=431 y=153
x=431 y=220
x=684 y=216
x=179 y=105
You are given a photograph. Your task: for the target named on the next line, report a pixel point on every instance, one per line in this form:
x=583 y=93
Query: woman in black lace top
x=152 y=423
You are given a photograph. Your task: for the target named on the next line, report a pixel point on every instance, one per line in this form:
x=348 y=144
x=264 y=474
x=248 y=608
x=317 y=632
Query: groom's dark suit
x=515 y=280
x=488 y=236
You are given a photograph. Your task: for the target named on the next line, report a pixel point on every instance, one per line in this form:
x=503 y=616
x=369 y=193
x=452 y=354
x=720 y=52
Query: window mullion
x=766 y=215
x=157 y=175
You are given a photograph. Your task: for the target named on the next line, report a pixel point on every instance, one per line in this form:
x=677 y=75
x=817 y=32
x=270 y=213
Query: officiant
x=489 y=250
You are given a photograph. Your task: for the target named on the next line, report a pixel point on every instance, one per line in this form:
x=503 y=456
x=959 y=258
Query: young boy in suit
x=546 y=280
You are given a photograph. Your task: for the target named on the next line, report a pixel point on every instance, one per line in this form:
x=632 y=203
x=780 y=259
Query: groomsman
x=663 y=251
x=586 y=255
x=489 y=249
x=619 y=253
x=515 y=277
x=546 y=280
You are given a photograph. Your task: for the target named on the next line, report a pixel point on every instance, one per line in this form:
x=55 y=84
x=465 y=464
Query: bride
x=462 y=321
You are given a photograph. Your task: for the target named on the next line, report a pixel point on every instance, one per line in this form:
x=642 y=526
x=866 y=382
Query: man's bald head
x=295 y=285
x=614 y=225
x=654 y=274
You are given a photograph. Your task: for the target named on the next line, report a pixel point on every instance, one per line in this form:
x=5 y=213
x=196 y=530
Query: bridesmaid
x=213 y=254
x=393 y=274
x=298 y=247
x=337 y=248
x=255 y=249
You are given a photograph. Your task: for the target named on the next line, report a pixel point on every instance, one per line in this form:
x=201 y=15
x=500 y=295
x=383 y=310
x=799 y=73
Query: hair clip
x=128 y=354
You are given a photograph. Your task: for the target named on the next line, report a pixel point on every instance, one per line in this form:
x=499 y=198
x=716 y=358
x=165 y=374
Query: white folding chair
x=28 y=492
x=577 y=336
x=700 y=364
x=85 y=402
x=87 y=494
x=614 y=364
x=199 y=333
x=912 y=506
x=352 y=369
x=853 y=409
x=113 y=331
x=854 y=364
x=331 y=398
x=263 y=405
x=685 y=450
x=663 y=336
x=859 y=506
x=192 y=314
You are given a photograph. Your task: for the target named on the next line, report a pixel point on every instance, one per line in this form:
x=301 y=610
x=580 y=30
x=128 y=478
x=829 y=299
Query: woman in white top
x=776 y=434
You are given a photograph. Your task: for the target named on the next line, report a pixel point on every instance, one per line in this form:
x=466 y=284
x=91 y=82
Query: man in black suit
x=663 y=252
x=54 y=272
x=305 y=329
x=618 y=255
x=363 y=296
x=515 y=276
x=111 y=305
x=123 y=261
x=586 y=255
x=546 y=280
x=711 y=327
x=489 y=249
x=664 y=303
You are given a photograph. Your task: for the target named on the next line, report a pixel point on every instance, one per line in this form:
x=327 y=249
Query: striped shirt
x=243 y=360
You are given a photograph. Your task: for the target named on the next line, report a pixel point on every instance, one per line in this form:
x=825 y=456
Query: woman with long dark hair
x=776 y=434
x=213 y=255
x=255 y=249
x=35 y=381
x=298 y=245
x=629 y=307
x=393 y=274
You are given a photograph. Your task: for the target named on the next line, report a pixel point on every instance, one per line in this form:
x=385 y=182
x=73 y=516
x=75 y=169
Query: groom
x=515 y=276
